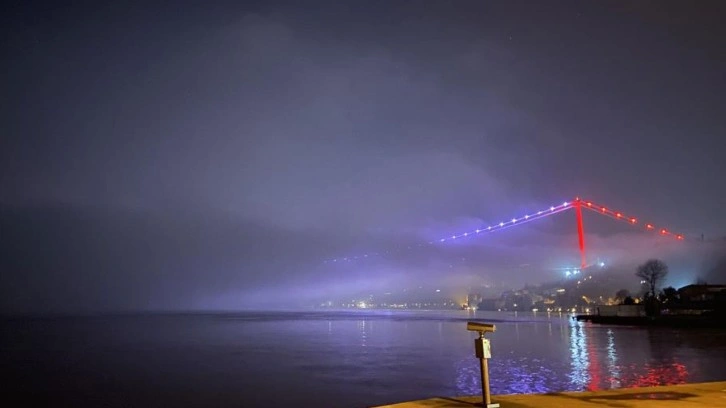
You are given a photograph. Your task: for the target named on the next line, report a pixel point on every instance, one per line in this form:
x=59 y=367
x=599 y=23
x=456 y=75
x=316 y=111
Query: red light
x=589 y=204
x=663 y=231
x=679 y=236
x=633 y=220
x=618 y=215
x=604 y=209
x=649 y=226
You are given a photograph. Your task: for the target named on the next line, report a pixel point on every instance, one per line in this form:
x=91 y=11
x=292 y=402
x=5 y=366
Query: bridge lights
x=649 y=226
x=633 y=220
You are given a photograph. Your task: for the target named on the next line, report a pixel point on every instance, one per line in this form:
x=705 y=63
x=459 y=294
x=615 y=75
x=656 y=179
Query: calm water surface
x=334 y=359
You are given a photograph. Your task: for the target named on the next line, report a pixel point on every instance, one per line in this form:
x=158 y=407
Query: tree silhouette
x=621 y=295
x=652 y=272
x=669 y=295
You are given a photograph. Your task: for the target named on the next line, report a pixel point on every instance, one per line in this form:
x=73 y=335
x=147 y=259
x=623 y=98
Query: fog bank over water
x=216 y=157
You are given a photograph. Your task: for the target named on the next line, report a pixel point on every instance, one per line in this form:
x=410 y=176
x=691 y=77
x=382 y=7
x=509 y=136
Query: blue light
x=568 y=273
x=602 y=264
x=491 y=228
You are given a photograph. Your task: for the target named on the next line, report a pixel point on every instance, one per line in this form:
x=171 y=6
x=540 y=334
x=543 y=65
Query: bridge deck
x=699 y=395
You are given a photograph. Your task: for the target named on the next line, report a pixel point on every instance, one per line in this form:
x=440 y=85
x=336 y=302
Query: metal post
x=483 y=351
x=484 y=366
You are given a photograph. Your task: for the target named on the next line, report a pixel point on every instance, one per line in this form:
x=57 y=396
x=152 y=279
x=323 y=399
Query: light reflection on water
x=613 y=368
x=578 y=355
x=341 y=359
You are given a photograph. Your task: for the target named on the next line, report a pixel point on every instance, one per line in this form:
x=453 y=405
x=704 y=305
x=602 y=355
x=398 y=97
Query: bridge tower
x=580 y=232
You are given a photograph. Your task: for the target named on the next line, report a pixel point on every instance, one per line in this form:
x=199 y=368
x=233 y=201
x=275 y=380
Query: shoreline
x=679 y=322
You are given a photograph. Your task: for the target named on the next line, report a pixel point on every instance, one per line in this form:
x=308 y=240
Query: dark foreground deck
x=699 y=395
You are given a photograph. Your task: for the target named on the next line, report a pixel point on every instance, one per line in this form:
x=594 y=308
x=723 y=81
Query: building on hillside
x=491 y=304
x=473 y=300
x=621 y=310
x=702 y=293
x=699 y=300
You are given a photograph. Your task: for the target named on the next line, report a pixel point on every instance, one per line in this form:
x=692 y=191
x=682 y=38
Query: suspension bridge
x=577 y=205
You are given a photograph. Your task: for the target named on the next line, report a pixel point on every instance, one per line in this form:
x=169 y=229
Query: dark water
x=346 y=359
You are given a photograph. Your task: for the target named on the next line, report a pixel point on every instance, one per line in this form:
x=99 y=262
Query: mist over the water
x=215 y=157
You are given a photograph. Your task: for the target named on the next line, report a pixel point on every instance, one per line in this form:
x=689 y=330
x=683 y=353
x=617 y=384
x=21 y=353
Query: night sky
x=211 y=155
